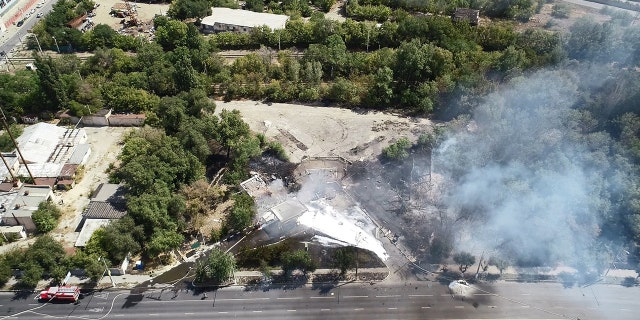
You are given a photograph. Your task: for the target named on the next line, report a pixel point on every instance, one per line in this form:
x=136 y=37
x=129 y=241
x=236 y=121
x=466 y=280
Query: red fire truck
x=63 y=293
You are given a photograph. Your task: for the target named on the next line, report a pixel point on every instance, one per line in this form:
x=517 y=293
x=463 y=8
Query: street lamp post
x=38 y=42
x=56 y=42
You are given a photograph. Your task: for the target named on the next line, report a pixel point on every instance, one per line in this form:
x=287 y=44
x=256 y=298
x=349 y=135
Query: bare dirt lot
x=145 y=13
x=313 y=131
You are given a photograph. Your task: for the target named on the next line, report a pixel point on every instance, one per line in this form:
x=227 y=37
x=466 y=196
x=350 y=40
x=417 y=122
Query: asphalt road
x=13 y=36
x=423 y=300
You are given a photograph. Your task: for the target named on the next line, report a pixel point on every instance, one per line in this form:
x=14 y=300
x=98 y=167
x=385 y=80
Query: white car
x=39 y=15
x=32 y=11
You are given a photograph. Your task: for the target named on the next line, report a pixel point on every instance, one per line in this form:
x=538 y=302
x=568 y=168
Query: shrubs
x=46 y=217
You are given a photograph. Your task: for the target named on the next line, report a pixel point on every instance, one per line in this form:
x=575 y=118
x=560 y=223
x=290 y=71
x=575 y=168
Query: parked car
x=39 y=15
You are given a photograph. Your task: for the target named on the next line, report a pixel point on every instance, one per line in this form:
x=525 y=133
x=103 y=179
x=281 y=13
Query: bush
x=398 y=150
x=46 y=217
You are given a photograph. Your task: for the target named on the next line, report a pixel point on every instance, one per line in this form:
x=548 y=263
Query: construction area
x=131 y=18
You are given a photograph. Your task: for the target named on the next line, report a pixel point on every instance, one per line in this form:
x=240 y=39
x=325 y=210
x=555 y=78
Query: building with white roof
x=46 y=148
x=238 y=20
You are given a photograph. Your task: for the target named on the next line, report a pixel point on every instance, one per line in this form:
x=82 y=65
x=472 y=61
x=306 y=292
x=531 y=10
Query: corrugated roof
x=104 y=210
x=44 y=142
x=41 y=170
x=245 y=18
x=78 y=155
x=68 y=170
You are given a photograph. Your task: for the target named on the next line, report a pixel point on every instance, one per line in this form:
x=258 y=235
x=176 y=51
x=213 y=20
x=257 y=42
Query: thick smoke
x=530 y=180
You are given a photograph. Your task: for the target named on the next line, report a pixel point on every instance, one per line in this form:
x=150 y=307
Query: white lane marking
x=389 y=296
x=459 y=307
x=291 y=310
x=118 y=315
x=325 y=309
x=525 y=306
x=321 y=297
x=239 y=299
x=525 y=294
x=154 y=314
x=445 y=295
x=425 y=307
x=257 y=311
x=223 y=312
x=188 y=313
x=624 y=309
x=355 y=296
x=34 y=304
x=293 y=298
x=420 y=295
x=358 y=309
x=392 y=308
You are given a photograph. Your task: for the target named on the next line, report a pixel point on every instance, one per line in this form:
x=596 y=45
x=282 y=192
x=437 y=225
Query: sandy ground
x=146 y=13
x=312 y=131
x=105 y=148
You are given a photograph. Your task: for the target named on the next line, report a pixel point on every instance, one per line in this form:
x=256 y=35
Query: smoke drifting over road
x=529 y=178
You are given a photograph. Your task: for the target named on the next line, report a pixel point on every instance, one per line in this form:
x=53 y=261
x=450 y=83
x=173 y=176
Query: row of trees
x=47 y=259
x=425 y=60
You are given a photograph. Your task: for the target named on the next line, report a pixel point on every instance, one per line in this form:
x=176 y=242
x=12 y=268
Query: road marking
x=321 y=297
x=154 y=314
x=34 y=304
x=425 y=307
x=291 y=310
x=358 y=309
x=446 y=295
x=118 y=315
x=525 y=306
x=420 y=295
x=389 y=296
x=459 y=307
x=492 y=307
x=392 y=308
x=257 y=311
x=483 y=294
x=293 y=298
x=223 y=312
x=188 y=313
x=325 y=309
x=525 y=294
x=355 y=296
x=625 y=310
x=242 y=299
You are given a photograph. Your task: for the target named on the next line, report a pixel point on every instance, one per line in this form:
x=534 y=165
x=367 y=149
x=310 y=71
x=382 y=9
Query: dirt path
x=310 y=131
x=105 y=148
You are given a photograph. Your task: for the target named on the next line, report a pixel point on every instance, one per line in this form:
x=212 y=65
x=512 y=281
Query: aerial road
x=15 y=35
x=421 y=300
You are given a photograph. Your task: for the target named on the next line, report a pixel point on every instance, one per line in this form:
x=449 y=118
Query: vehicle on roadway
x=39 y=15
x=62 y=293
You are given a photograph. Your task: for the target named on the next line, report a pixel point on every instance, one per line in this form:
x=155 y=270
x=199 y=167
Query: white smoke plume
x=530 y=178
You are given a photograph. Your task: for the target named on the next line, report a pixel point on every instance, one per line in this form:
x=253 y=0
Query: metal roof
x=245 y=18
x=104 y=210
x=79 y=155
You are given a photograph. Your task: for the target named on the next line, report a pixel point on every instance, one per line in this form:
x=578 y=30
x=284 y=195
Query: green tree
x=6 y=144
x=185 y=9
x=344 y=258
x=51 y=82
x=241 y=214
x=172 y=35
x=297 y=260
x=163 y=241
x=216 y=269
x=464 y=260
x=232 y=130
x=5 y=271
x=46 y=216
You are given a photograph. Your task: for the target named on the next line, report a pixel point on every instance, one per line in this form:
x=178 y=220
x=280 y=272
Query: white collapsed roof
x=44 y=142
x=245 y=18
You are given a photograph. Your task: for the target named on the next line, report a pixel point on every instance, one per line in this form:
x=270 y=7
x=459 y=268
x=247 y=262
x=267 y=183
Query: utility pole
x=6 y=126
x=106 y=269
x=13 y=177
